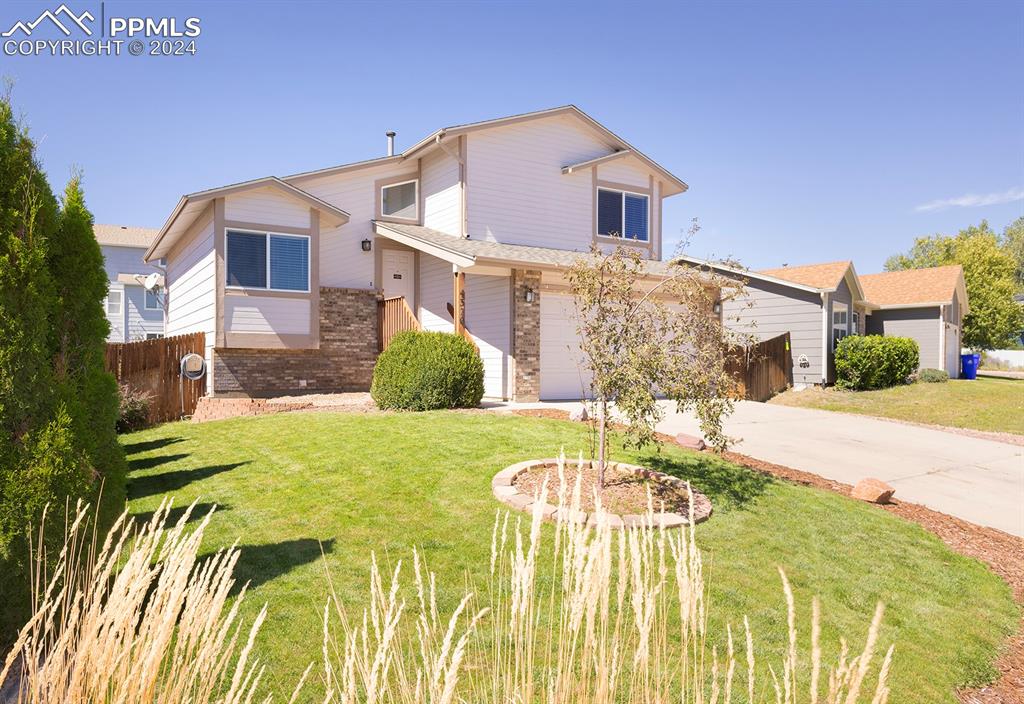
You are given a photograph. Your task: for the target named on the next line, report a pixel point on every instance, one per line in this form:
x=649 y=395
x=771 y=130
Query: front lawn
x=982 y=404
x=287 y=484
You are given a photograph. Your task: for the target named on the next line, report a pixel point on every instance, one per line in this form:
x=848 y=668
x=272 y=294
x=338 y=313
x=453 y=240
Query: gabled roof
x=914 y=288
x=619 y=146
x=824 y=276
x=746 y=273
x=191 y=205
x=465 y=252
x=124 y=235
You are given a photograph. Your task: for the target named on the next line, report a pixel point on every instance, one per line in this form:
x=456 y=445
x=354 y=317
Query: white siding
x=116 y=320
x=267 y=314
x=516 y=192
x=342 y=262
x=267 y=206
x=488 y=319
x=191 y=290
x=436 y=289
x=442 y=195
x=769 y=310
x=625 y=170
x=124 y=260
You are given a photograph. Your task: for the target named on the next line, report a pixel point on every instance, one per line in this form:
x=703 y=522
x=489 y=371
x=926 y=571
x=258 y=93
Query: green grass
x=286 y=484
x=983 y=404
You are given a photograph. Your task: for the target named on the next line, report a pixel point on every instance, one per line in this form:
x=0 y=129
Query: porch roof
x=466 y=252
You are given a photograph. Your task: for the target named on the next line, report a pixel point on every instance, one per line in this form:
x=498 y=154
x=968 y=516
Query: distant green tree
x=990 y=273
x=1013 y=242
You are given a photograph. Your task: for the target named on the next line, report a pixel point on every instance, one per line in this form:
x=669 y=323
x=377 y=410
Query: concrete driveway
x=981 y=481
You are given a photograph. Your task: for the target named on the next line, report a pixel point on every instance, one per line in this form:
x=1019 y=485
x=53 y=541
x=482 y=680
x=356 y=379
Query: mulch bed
x=624 y=493
x=1002 y=552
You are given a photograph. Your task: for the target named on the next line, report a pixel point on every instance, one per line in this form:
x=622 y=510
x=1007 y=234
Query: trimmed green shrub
x=424 y=371
x=875 y=362
x=932 y=376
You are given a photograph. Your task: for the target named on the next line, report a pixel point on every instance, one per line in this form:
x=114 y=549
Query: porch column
x=460 y=301
x=526 y=335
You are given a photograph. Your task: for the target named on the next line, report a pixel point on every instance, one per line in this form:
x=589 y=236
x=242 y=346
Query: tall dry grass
x=625 y=619
x=586 y=615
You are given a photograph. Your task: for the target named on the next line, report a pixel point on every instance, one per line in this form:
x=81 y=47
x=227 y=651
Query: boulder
x=690 y=441
x=873 y=490
x=580 y=415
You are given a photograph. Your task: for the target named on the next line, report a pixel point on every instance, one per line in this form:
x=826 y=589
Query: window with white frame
x=153 y=335
x=400 y=200
x=152 y=300
x=267 y=260
x=856 y=323
x=839 y=322
x=622 y=214
x=113 y=302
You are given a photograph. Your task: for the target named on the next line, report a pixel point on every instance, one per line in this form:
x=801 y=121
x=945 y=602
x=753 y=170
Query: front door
x=397 y=271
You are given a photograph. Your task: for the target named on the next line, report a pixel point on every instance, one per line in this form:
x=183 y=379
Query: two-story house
x=134 y=312
x=473 y=226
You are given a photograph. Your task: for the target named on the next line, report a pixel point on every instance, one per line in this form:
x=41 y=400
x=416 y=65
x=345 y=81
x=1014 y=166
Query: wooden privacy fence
x=394 y=316
x=154 y=367
x=763 y=369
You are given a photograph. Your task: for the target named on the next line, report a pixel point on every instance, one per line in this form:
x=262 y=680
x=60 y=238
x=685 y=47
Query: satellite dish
x=153 y=281
x=193 y=366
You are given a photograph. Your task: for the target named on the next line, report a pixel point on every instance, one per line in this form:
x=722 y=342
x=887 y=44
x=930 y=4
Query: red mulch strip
x=1002 y=552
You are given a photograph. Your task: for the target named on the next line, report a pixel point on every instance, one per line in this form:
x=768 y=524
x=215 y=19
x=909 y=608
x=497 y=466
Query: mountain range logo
x=55 y=17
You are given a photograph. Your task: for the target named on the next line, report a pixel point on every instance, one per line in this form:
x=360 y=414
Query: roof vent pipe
x=391 y=142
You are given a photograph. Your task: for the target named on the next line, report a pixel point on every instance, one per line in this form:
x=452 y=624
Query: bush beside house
x=875 y=362
x=58 y=407
x=425 y=371
x=932 y=376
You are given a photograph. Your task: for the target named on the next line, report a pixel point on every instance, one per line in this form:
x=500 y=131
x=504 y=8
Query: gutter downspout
x=826 y=326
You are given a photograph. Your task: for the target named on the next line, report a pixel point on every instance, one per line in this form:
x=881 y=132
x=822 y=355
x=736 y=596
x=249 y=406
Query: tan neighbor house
x=283 y=275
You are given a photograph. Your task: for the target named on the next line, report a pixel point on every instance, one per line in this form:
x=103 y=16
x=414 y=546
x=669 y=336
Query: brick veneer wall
x=526 y=336
x=344 y=361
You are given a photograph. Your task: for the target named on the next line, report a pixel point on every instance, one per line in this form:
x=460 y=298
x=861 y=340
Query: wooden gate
x=154 y=367
x=763 y=369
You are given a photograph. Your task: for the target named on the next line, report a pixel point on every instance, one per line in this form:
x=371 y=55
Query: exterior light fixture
x=366 y=244
x=717 y=307
x=529 y=295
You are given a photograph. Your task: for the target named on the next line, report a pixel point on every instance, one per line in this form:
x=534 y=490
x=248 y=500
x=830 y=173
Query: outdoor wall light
x=529 y=295
x=366 y=244
x=717 y=307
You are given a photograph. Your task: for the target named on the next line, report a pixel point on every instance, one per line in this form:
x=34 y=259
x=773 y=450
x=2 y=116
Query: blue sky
x=807 y=132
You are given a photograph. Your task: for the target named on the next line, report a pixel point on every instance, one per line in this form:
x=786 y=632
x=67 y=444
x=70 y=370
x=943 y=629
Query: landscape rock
x=873 y=490
x=690 y=441
x=580 y=415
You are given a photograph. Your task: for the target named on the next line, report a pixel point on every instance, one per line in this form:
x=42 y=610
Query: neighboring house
x=817 y=304
x=134 y=313
x=926 y=304
x=283 y=275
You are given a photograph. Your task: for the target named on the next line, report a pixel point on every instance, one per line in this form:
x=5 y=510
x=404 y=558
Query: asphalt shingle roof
x=933 y=285
x=124 y=236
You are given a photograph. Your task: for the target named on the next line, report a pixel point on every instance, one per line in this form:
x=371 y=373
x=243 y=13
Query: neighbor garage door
x=562 y=376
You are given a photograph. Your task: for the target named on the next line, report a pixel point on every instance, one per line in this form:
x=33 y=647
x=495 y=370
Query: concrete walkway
x=981 y=481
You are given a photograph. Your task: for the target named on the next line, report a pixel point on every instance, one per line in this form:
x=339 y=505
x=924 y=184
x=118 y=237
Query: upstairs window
x=622 y=214
x=152 y=300
x=400 y=200
x=268 y=261
x=113 y=302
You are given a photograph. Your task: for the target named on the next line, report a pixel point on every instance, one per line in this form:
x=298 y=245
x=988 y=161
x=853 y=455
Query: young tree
x=1013 y=242
x=990 y=274
x=642 y=338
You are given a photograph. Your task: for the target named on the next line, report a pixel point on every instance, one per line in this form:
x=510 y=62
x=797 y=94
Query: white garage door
x=562 y=374
x=488 y=321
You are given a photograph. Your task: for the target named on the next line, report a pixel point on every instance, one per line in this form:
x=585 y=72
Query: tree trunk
x=602 y=425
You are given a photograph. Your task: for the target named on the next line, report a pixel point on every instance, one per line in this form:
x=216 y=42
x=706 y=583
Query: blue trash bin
x=969 y=366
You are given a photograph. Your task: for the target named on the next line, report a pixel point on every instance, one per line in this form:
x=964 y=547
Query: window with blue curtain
x=289 y=263
x=635 y=216
x=621 y=214
x=609 y=213
x=247 y=259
